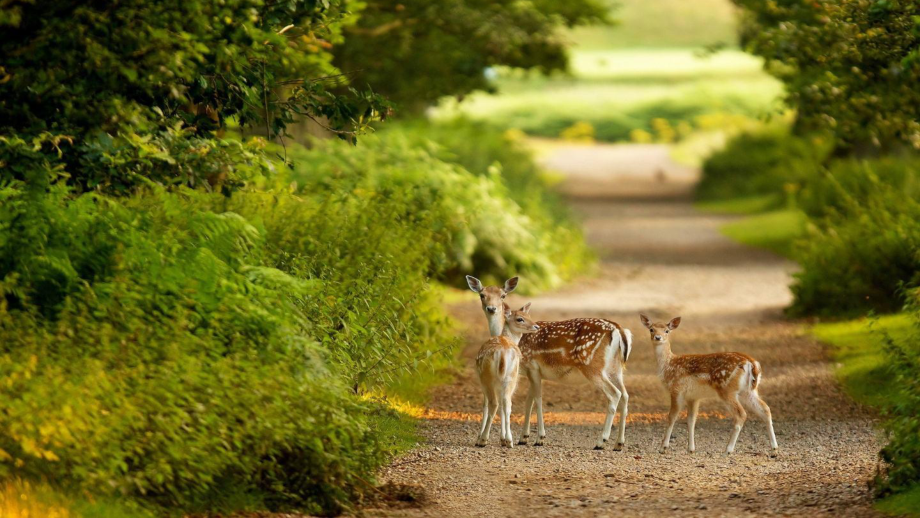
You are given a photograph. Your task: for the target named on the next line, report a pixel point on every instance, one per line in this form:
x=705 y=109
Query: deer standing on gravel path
x=596 y=347
x=497 y=365
x=732 y=377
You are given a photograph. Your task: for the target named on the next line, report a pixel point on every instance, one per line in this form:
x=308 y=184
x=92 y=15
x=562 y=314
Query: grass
x=901 y=504
x=663 y=23
x=862 y=372
x=775 y=230
x=746 y=206
x=857 y=348
x=617 y=91
x=653 y=64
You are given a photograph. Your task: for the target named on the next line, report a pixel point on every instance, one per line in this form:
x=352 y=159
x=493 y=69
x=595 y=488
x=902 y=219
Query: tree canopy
x=850 y=67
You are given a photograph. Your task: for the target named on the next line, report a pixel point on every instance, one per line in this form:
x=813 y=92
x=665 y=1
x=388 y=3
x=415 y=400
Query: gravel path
x=661 y=257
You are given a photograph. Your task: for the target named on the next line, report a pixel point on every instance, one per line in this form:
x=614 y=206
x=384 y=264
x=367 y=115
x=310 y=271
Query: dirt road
x=662 y=257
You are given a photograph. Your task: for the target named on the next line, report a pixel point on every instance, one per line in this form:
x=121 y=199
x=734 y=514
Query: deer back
x=572 y=343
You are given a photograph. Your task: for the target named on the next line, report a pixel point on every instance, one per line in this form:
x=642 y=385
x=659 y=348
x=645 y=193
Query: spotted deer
x=595 y=347
x=498 y=366
x=690 y=378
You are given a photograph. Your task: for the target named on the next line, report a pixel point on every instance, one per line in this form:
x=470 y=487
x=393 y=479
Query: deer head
x=491 y=297
x=659 y=330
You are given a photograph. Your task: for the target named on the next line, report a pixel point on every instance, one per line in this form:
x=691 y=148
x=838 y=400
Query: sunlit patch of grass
x=857 y=346
x=663 y=23
x=775 y=230
x=747 y=205
x=901 y=504
x=617 y=91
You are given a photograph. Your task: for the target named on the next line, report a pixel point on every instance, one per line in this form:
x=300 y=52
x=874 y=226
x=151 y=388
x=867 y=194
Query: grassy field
x=651 y=73
x=662 y=23
x=862 y=371
x=774 y=230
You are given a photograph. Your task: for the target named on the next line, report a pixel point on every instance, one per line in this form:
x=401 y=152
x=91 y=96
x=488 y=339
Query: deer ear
x=645 y=321
x=510 y=284
x=674 y=323
x=507 y=310
x=526 y=308
x=474 y=283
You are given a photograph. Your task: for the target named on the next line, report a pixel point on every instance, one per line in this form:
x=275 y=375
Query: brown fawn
x=596 y=347
x=690 y=378
x=498 y=365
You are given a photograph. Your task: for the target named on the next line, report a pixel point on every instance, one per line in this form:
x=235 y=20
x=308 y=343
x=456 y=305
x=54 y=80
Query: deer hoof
x=539 y=442
x=522 y=442
x=598 y=447
x=619 y=446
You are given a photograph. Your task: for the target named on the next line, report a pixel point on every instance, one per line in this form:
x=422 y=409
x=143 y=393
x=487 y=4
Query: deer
x=730 y=376
x=498 y=368
x=595 y=347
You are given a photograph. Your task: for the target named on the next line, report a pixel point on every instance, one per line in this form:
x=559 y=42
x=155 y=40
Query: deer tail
x=754 y=372
x=623 y=340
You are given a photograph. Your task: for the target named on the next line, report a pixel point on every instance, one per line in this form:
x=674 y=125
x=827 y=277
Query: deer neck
x=511 y=335
x=496 y=323
x=664 y=355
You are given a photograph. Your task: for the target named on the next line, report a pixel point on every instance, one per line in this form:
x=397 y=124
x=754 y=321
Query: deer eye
x=521 y=320
x=503 y=297
x=666 y=331
x=482 y=296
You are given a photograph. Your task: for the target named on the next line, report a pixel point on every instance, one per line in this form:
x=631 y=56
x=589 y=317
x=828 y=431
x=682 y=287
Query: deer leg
x=692 y=411
x=613 y=402
x=508 y=386
x=759 y=408
x=537 y=384
x=528 y=408
x=673 y=414
x=488 y=415
x=739 y=417
x=503 y=418
x=617 y=380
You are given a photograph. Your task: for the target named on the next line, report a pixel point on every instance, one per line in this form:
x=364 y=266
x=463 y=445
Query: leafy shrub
x=762 y=163
x=147 y=352
x=493 y=228
x=902 y=453
x=848 y=182
x=182 y=346
x=862 y=250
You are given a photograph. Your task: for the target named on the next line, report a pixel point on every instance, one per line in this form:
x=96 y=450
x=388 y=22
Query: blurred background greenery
x=226 y=227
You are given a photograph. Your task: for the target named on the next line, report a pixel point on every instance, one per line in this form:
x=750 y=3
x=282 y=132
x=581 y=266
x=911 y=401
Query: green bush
x=468 y=180
x=148 y=349
x=847 y=183
x=862 y=250
x=196 y=350
x=902 y=453
x=768 y=162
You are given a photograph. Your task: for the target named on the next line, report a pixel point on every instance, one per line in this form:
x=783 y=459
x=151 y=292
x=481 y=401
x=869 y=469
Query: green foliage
x=433 y=49
x=208 y=352
x=139 y=89
x=150 y=348
x=768 y=162
x=902 y=453
x=484 y=229
x=862 y=250
x=849 y=67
